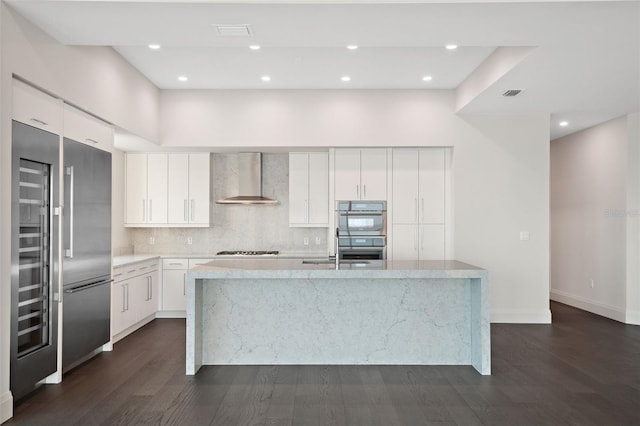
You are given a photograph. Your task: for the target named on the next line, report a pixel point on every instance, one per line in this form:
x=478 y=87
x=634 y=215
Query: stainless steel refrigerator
x=34 y=256
x=86 y=267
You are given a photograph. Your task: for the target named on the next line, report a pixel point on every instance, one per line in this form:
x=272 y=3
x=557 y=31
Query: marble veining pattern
x=336 y=322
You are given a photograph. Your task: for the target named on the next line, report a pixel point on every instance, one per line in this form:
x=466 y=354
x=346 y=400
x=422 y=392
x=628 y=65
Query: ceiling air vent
x=236 y=30
x=512 y=92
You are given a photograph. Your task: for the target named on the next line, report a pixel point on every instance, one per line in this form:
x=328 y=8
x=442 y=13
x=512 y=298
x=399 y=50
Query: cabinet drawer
x=175 y=263
x=128 y=271
x=200 y=261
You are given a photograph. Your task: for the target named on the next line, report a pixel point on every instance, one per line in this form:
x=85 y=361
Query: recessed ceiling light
x=183 y=78
x=564 y=123
x=265 y=78
x=451 y=46
x=154 y=46
x=352 y=47
x=427 y=78
x=345 y=78
x=254 y=47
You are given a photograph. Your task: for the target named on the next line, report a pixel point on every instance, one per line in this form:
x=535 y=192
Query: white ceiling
x=585 y=67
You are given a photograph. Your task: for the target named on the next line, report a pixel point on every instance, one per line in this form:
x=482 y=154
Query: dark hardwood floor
x=582 y=370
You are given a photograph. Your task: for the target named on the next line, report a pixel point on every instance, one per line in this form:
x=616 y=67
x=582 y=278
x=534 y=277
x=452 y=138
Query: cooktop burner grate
x=247 y=253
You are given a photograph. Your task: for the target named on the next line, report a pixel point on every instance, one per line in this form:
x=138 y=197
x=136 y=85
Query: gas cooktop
x=247 y=253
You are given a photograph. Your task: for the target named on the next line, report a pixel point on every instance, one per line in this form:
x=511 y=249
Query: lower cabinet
x=418 y=242
x=174 y=285
x=134 y=297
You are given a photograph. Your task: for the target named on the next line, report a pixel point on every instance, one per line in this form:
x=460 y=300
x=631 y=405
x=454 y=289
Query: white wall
x=633 y=220
x=500 y=164
x=96 y=79
x=588 y=219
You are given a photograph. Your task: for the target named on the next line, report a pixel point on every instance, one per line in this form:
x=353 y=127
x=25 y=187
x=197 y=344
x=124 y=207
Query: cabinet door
x=405 y=242
x=146 y=295
x=318 y=188
x=347 y=174
x=84 y=128
x=174 y=290
x=405 y=186
x=178 y=189
x=432 y=185
x=122 y=316
x=298 y=188
x=136 y=188
x=373 y=174
x=199 y=188
x=432 y=242
x=157 y=180
x=36 y=108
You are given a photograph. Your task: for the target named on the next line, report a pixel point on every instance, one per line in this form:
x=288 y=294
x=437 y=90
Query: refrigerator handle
x=68 y=252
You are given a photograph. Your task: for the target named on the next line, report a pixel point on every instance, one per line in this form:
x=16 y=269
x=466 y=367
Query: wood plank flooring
x=582 y=370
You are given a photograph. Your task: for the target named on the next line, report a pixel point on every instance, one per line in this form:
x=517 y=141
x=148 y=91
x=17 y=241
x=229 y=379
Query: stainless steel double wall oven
x=361 y=230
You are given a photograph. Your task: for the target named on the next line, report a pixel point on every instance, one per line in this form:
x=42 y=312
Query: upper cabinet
x=360 y=174
x=166 y=189
x=146 y=189
x=35 y=108
x=309 y=189
x=82 y=127
x=188 y=189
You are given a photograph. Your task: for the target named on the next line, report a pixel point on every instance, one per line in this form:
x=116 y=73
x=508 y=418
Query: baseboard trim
x=6 y=406
x=171 y=314
x=521 y=316
x=633 y=317
x=598 y=308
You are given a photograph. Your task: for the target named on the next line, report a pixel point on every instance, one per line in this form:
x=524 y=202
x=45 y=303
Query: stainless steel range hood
x=249 y=181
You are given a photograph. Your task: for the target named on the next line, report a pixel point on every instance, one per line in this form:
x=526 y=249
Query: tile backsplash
x=239 y=227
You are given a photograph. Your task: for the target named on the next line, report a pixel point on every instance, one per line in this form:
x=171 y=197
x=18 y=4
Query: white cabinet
x=146 y=178
x=35 y=108
x=167 y=189
x=174 y=284
x=188 y=189
x=308 y=189
x=84 y=128
x=419 y=188
x=134 y=297
x=360 y=174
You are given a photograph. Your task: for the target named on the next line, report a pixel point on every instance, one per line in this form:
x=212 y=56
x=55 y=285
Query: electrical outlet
x=524 y=235
x=305 y=241
x=318 y=241
x=152 y=240
x=189 y=240
x=592 y=283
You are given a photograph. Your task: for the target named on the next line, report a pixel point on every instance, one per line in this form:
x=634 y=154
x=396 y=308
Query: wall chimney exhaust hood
x=250 y=181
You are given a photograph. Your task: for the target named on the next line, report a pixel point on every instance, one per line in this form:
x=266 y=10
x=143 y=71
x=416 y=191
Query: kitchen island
x=284 y=311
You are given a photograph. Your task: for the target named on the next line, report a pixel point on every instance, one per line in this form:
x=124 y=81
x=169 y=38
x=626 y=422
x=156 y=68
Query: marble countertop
x=298 y=268
x=118 y=261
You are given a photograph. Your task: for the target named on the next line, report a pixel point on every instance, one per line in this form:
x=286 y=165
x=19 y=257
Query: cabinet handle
x=186 y=218
x=364 y=191
x=357 y=191
x=144 y=210
x=123 y=298
x=175 y=263
x=127 y=297
x=150 y=288
x=39 y=121
x=193 y=210
x=91 y=140
x=150 y=210
x=184 y=284
x=423 y=209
